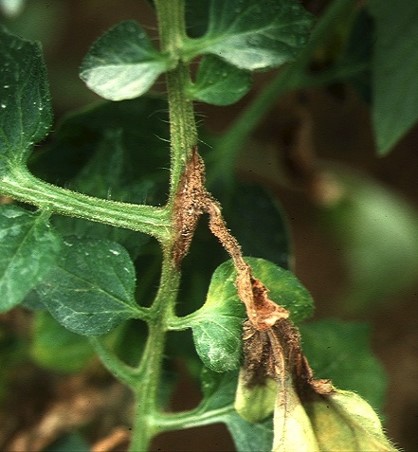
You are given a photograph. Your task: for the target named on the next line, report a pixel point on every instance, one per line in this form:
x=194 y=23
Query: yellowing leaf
x=292 y=429
x=343 y=421
x=257 y=402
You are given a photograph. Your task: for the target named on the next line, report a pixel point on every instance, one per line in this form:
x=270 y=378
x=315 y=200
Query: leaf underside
x=122 y=63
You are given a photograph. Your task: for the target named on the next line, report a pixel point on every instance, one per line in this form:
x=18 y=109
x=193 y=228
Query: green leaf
x=341 y=352
x=219 y=393
x=248 y=436
x=284 y=288
x=28 y=247
x=12 y=8
x=91 y=288
x=218 y=389
x=122 y=63
x=25 y=112
x=395 y=68
x=197 y=13
x=104 y=176
x=92 y=131
x=358 y=53
x=217 y=326
x=102 y=151
x=218 y=82
x=54 y=347
x=377 y=232
x=218 y=405
x=253 y=34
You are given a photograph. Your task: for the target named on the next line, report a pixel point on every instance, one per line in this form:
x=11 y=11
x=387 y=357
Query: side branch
x=192 y=200
x=23 y=186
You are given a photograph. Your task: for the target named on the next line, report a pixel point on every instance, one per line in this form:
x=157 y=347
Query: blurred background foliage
x=309 y=172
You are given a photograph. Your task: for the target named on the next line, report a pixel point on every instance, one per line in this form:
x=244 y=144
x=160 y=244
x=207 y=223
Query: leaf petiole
x=124 y=373
x=20 y=184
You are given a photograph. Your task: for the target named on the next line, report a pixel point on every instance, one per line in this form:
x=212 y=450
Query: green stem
x=146 y=388
x=20 y=184
x=183 y=137
x=194 y=418
x=291 y=77
x=124 y=373
x=183 y=133
x=182 y=124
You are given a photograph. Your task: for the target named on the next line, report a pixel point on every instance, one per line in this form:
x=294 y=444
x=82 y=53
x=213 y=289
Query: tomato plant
x=127 y=236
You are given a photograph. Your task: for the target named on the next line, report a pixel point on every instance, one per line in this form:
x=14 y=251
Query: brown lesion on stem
x=191 y=202
x=188 y=206
x=272 y=345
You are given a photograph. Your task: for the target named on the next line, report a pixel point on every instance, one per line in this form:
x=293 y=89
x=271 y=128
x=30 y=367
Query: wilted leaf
x=255 y=403
x=343 y=421
x=217 y=326
x=242 y=208
x=292 y=428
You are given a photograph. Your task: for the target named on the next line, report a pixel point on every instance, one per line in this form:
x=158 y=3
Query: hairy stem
x=20 y=184
x=195 y=418
x=149 y=371
x=183 y=134
x=183 y=138
x=124 y=373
